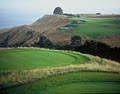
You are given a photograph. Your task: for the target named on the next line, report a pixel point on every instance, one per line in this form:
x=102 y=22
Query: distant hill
x=27 y=35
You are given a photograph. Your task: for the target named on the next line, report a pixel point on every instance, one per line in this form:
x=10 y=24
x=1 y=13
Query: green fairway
x=18 y=59
x=78 y=82
x=95 y=27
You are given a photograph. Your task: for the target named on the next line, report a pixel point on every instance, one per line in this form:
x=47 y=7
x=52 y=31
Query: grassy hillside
x=29 y=34
x=19 y=59
x=94 y=27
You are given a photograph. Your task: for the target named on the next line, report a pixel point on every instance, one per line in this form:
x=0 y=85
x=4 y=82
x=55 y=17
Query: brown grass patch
x=113 y=40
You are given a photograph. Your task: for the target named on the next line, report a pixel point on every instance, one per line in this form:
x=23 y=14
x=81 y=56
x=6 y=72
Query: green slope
x=95 y=27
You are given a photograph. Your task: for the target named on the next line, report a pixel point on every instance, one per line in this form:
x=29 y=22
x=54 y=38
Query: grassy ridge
x=19 y=59
x=50 y=84
x=95 y=27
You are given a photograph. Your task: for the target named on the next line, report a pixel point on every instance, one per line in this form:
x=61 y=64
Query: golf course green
x=94 y=27
x=20 y=59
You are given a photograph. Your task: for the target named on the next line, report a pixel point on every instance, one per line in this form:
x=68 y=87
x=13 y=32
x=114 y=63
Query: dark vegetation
x=43 y=43
x=76 y=40
x=71 y=15
x=100 y=49
x=5 y=42
x=58 y=10
x=98 y=14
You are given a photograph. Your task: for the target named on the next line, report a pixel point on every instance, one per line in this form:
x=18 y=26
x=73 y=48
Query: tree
x=43 y=42
x=76 y=40
x=98 y=14
x=58 y=10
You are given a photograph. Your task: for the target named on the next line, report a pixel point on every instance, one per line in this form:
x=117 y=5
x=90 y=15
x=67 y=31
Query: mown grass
x=86 y=87
x=58 y=82
x=20 y=59
x=95 y=27
x=11 y=78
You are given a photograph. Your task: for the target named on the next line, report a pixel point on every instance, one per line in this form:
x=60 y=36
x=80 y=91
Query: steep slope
x=27 y=35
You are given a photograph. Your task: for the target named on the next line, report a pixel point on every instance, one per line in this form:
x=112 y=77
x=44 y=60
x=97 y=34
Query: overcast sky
x=70 y=6
x=20 y=12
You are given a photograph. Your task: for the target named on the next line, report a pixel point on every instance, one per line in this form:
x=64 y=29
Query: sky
x=70 y=6
x=31 y=10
